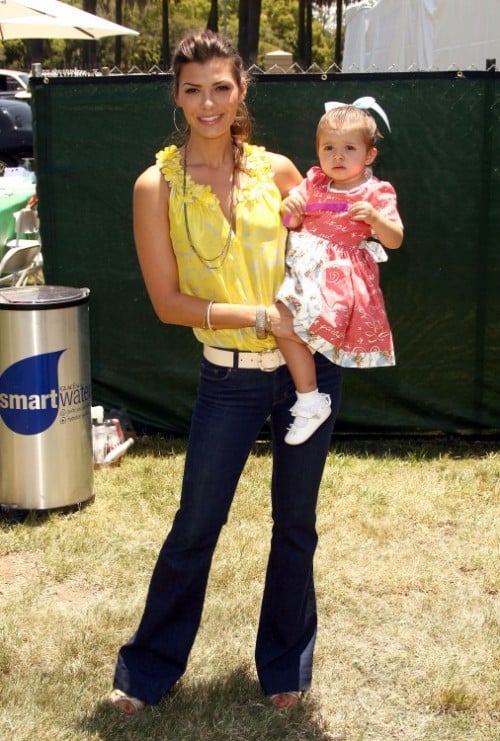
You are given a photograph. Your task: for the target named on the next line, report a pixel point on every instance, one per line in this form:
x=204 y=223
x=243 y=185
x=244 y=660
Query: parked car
x=16 y=134
x=14 y=84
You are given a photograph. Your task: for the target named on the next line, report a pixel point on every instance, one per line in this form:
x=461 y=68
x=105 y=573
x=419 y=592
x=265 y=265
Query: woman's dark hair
x=202 y=46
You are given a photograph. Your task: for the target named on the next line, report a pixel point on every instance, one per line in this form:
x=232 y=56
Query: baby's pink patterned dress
x=332 y=275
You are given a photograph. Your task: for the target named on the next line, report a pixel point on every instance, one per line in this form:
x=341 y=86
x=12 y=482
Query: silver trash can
x=45 y=398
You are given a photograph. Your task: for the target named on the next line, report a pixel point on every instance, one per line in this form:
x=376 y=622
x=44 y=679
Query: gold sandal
x=126 y=703
x=286 y=700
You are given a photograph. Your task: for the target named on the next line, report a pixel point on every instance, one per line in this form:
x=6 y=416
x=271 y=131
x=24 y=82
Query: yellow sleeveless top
x=254 y=265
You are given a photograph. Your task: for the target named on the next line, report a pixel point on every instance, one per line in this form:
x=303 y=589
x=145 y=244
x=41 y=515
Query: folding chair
x=19 y=263
x=27 y=224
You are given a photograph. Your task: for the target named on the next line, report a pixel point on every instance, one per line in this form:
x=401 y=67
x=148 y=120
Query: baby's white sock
x=307 y=398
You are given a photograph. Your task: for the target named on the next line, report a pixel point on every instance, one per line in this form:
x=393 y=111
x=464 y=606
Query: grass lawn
x=408 y=596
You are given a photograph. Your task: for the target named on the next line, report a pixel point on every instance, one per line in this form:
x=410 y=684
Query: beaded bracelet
x=261 y=322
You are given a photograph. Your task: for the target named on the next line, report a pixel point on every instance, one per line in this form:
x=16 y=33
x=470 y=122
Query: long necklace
x=220 y=258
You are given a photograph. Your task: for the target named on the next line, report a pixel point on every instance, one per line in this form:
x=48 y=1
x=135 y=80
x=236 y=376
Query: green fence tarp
x=94 y=135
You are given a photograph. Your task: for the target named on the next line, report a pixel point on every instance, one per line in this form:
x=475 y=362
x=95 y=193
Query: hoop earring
x=179 y=131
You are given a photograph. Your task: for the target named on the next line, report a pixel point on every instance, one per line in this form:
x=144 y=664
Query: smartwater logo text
x=30 y=394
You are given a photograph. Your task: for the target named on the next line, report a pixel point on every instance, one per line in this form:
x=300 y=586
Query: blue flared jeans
x=231 y=409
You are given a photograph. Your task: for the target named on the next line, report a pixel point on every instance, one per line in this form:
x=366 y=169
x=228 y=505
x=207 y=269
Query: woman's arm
x=159 y=265
x=286 y=175
x=155 y=253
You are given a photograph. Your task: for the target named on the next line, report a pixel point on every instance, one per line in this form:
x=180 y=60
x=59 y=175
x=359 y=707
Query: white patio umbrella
x=10 y=8
x=52 y=19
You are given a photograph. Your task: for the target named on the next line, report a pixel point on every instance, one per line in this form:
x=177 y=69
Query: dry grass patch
x=408 y=597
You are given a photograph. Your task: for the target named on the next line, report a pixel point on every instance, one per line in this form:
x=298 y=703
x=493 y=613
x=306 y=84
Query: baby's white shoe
x=307 y=419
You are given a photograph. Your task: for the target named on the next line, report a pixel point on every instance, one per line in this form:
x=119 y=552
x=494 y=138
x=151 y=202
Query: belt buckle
x=269 y=360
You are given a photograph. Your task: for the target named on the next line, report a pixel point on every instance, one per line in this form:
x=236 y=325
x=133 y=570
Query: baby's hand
x=364 y=211
x=388 y=232
x=292 y=210
x=281 y=321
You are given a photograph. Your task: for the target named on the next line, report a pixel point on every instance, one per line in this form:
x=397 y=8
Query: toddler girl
x=338 y=218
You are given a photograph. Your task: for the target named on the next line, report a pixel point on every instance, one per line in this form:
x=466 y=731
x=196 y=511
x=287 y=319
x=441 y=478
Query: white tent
x=402 y=35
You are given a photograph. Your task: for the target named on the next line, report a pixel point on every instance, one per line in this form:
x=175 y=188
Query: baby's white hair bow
x=366 y=102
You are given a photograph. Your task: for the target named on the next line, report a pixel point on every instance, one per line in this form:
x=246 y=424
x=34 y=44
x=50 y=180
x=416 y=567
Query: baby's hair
x=350 y=117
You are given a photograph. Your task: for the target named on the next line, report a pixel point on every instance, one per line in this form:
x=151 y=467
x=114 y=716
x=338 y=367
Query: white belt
x=268 y=360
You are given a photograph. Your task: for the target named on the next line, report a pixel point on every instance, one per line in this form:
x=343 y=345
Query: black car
x=16 y=135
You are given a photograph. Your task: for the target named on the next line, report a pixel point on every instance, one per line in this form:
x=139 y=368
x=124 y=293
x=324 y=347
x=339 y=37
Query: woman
x=211 y=247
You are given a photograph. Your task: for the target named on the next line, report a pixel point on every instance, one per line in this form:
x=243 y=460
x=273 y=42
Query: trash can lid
x=40 y=296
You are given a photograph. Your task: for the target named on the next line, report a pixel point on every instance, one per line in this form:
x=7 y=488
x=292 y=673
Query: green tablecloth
x=12 y=198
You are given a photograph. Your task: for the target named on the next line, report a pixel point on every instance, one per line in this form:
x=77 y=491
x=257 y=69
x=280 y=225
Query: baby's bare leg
x=300 y=363
x=312 y=407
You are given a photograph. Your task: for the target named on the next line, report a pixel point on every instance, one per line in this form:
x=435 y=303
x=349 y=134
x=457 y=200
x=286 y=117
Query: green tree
x=255 y=26
x=213 y=16
x=304 y=37
x=90 y=47
x=118 y=39
x=248 y=30
x=306 y=30
x=165 y=34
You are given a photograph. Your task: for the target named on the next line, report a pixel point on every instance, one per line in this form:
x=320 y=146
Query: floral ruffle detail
x=257 y=165
x=169 y=162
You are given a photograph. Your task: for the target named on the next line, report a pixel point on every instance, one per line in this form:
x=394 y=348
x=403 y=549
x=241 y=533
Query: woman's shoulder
x=258 y=158
x=279 y=168
x=149 y=178
x=259 y=168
